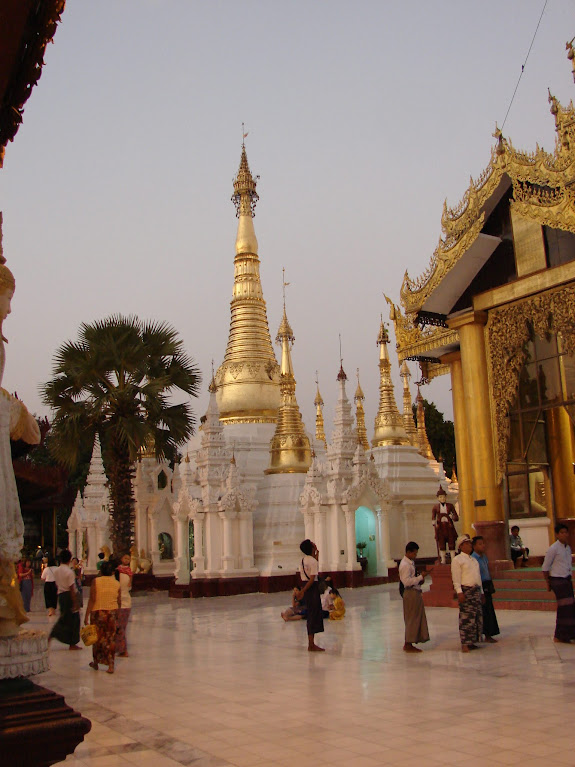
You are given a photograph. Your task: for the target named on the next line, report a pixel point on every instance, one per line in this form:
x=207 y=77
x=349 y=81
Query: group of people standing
x=473 y=585
x=474 y=588
x=108 y=608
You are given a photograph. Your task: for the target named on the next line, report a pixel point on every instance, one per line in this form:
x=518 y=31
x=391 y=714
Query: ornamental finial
x=571 y=55
x=245 y=196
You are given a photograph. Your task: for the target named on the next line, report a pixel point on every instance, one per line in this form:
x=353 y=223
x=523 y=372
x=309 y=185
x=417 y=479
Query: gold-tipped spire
x=453 y=474
x=389 y=429
x=319 y=425
x=360 y=415
x=408 y=422
x=248 y=379
x=290 y=450
x=212 y=387
x=571 y=55
x=424 y=448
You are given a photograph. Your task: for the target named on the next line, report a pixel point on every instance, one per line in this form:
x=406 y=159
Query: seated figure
x=518 y=551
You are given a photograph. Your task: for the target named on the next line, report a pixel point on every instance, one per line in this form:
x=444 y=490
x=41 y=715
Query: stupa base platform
x=37 y=728
x=225 y=587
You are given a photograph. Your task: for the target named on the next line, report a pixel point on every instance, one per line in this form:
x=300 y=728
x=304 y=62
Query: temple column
x=154 y=551
x=486 y=493
x=309 y=525
x=182 y=569
x=382 y=516
x=321 y=538
x=463 y=451
x=228 y=557
x=560 y=447
x=350 y=537
x=199 y=558
x=246 y=541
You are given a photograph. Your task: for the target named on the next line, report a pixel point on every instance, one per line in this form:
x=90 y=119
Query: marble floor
x=226 y=683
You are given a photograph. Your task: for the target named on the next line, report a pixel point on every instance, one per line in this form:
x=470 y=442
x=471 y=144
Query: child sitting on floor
x=338 y=610
x=296 y=612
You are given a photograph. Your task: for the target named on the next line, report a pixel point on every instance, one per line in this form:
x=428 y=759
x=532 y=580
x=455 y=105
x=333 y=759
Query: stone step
x=523 y=604
x=511 y=594
x=508 y=583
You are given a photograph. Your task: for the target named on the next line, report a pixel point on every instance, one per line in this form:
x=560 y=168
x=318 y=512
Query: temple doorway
x=365 y=533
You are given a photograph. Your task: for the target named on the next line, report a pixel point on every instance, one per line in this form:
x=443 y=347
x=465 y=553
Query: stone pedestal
x=496 y=539
x=23 y=654
x=37 y=728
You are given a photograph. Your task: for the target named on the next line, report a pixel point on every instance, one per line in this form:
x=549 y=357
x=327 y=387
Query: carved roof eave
x=462 y=224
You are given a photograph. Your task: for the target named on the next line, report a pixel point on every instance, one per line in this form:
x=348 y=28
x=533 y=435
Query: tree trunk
x=123 y=507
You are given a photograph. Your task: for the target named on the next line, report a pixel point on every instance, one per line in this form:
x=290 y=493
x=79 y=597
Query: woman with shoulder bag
x=309 y=594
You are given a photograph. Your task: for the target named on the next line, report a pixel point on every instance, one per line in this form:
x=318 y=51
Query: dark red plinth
x=441 y=592
x=37 y=728
x=496 y=536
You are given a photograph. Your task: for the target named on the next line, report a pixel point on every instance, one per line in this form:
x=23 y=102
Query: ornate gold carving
x=542 y=184
x=506 y=334
x=412 y=341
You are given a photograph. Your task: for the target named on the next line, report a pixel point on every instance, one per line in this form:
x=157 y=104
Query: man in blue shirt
x=490 y=625
x=558 y=572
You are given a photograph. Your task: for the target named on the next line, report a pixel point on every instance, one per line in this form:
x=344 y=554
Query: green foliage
x=117 y=380
x=441 y=435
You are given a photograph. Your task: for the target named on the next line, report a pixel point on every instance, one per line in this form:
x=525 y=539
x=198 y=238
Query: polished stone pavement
x=225 y=682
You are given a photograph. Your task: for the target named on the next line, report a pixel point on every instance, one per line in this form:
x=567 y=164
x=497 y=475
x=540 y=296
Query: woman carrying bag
x=102 y=612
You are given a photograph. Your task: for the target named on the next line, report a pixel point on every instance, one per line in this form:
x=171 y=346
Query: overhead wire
x=524 y=64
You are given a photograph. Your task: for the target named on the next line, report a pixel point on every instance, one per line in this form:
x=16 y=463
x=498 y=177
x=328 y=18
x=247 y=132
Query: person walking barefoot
x=309 y=594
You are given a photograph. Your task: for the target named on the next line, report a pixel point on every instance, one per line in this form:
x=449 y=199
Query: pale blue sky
x=363 y=117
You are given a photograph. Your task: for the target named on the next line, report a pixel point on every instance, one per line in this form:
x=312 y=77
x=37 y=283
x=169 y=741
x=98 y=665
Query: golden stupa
x=319 y=424
x=247 y=381
x=290 y=450
x=359 y=399
x=389 y=428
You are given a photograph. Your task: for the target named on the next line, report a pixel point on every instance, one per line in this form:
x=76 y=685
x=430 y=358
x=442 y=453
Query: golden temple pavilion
x=496 y=310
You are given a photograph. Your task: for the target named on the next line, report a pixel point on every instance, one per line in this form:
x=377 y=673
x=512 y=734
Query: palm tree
x=117 y=380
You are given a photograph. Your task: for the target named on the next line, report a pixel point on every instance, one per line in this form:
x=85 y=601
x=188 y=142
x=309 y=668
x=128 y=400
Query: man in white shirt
x=413 y=609
x=466 y=577
x=67 y=628
x=558 y=572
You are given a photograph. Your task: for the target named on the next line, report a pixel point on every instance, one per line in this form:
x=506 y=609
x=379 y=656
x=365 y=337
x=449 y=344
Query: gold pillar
x=464 y=468
x=486 y=494
x=559 y=443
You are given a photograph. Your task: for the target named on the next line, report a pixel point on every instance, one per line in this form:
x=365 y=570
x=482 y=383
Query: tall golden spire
x=248 y=379
x=319 y=425
x=360 y=415
x=408 y=422
x=389 y=428
x=290 y=450
x=424 y=448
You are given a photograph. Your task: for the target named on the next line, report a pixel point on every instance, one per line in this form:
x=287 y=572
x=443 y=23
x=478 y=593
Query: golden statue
x=15 y=423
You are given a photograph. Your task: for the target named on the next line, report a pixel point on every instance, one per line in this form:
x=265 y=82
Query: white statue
x=15 y=423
